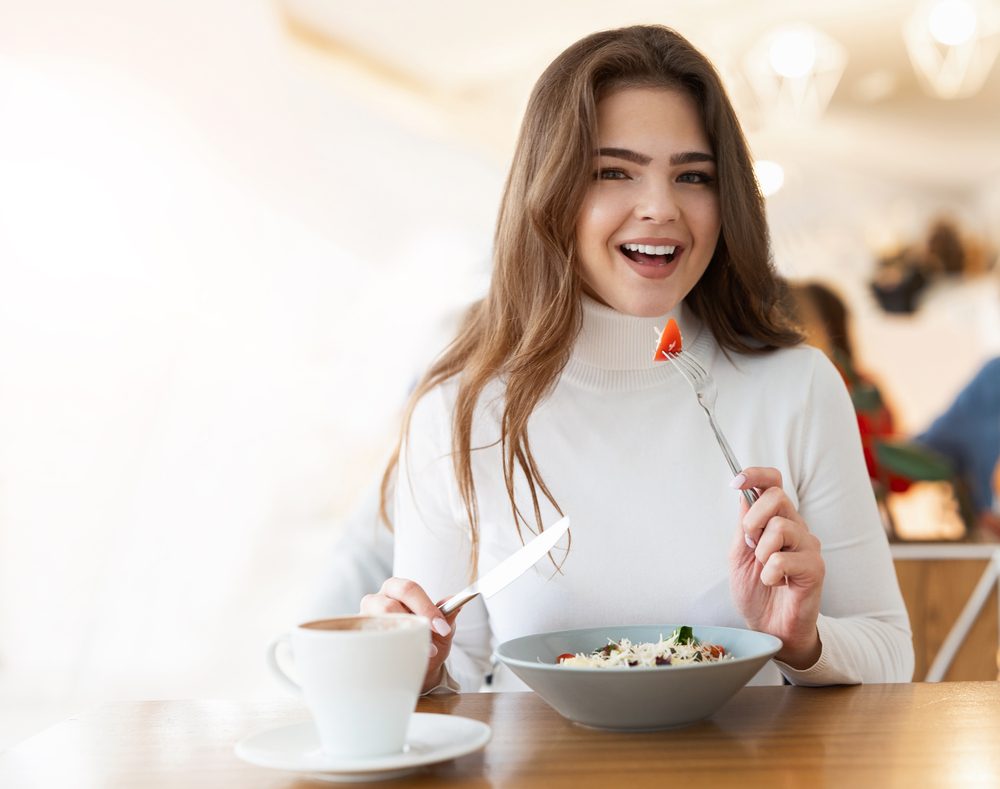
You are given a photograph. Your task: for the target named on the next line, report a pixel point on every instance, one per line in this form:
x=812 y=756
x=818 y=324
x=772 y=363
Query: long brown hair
x=524 y=330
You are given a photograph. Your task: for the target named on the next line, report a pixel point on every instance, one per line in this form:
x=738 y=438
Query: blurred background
x=232 y=232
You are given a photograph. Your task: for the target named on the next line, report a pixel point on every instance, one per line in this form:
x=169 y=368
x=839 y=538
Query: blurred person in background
x=907 y=276
x=825 y=320
x=968 y=434
x=960 y=448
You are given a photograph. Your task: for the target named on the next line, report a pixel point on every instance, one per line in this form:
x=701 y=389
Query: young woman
x=631 y=199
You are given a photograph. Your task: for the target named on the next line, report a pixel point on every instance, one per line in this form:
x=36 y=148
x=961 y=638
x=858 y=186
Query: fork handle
x=751 y=494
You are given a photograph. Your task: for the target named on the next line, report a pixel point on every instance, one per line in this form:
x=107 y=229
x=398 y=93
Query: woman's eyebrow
x=688 y=157
x=626 y=154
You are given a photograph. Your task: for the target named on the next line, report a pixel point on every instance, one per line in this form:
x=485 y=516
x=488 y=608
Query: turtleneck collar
x=615 y=350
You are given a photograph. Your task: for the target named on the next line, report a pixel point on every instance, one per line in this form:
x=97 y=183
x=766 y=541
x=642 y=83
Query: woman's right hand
x=402 y=596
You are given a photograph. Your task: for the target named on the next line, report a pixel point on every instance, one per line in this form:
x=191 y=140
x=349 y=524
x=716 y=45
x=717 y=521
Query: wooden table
x=919 y=735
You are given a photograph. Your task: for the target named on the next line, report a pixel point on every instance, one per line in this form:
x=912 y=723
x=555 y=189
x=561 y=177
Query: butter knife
x=509 y=569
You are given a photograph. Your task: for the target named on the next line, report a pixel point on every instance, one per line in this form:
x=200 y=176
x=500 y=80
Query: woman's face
x=650 y=220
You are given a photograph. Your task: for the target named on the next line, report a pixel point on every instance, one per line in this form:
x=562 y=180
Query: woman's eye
x=610 y=174
x=696 y=178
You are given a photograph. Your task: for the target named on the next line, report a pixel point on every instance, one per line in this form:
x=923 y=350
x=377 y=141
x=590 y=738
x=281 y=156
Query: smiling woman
x=631 y=201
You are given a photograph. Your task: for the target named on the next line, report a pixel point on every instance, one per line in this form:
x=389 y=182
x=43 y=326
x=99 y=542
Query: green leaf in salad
x=685 y=635
x=606 y=650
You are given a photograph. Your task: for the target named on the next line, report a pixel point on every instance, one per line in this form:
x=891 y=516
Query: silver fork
x=706 y=390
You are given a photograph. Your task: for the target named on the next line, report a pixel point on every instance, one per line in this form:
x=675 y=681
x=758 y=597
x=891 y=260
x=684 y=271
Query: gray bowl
x=636 y=698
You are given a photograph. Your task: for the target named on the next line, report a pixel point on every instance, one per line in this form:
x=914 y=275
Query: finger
x=380 y=604
x=783 y=534
x=443 y=640
x=773 y=503
x=755 y=518
x=413 y=596
x=375 y=604
x=742 y=547
x=450 y=618
x=799 y=568
x=760 y=477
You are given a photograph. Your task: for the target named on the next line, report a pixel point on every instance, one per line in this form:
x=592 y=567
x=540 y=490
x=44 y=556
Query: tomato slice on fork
x=670 y=341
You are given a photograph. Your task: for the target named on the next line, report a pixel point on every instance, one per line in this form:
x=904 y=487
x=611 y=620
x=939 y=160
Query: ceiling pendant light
x=952 y=45
x=794 y=70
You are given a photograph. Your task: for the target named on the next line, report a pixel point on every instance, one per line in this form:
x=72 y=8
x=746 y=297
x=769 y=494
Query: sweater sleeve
x=863 y=625
x=358 y=565
x=432 y=537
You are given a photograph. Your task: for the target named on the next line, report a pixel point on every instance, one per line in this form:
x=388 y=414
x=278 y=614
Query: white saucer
x=430 y=738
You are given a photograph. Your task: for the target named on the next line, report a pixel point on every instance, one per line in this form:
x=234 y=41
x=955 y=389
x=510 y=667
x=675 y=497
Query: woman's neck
x=612 y=340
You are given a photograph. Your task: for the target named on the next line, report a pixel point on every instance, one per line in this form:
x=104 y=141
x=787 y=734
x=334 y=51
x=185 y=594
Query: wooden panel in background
x=935 y=591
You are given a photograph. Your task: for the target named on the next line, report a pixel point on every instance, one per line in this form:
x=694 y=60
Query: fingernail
x=434 y=650
x=749 y=541
x=738 y=480
x=441 y=627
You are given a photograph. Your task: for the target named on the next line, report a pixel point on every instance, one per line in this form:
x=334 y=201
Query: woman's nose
x=657 y=204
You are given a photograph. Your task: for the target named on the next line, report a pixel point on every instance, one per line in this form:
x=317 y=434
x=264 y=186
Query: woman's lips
x=652 y=266
x=649 y=259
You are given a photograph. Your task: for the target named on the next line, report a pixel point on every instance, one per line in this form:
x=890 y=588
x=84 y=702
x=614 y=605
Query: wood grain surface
x=916 y=735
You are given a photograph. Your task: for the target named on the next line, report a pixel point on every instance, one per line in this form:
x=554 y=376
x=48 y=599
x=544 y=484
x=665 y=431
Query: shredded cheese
x=666 y=652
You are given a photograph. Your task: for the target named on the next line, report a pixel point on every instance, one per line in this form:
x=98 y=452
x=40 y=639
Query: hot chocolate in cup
x=360 y=676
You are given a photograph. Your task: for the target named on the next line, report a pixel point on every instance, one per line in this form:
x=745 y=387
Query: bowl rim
x=769 y=652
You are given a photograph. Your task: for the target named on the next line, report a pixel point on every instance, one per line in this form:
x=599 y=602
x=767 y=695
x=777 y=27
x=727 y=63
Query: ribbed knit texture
x=614 y=352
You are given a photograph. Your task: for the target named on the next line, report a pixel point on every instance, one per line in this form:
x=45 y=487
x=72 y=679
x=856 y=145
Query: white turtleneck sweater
x=629 y=456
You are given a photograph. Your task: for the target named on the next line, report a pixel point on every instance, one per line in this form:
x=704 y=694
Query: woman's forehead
x=656 y=117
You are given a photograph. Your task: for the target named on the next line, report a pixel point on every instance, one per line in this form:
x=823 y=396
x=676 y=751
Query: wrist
x=433 y=678
x=801 y=656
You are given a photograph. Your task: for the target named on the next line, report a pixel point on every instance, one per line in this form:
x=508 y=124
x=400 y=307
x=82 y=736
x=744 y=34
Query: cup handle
x=275 y=666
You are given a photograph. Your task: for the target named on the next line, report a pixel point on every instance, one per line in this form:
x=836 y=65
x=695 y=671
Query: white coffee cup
x=360 y=677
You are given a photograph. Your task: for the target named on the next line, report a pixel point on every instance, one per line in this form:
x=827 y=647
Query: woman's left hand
x=777 y=581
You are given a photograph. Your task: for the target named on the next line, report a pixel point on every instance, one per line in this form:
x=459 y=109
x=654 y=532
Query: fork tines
x=688 y=366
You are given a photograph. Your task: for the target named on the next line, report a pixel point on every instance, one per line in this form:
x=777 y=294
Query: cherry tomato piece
x=670 y=341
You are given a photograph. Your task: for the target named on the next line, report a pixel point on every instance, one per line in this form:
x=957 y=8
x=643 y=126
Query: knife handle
x=452 y=604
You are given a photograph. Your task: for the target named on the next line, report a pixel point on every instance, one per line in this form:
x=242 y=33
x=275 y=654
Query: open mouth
x=647 y=255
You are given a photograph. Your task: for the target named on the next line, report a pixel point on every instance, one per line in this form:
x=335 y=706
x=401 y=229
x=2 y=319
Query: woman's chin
x=644 y=307
x=639 y=303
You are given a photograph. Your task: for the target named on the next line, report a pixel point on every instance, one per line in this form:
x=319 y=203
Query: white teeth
x=647 y=249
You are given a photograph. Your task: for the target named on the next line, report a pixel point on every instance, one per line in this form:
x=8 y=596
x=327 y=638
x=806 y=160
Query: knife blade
x=509 y=569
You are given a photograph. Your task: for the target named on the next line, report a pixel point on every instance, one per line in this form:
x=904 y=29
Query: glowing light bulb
x=792 y=53
x=770 y=176
x=952 y=22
